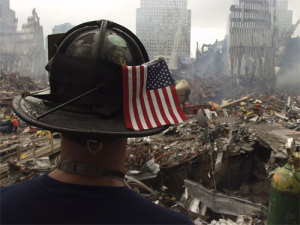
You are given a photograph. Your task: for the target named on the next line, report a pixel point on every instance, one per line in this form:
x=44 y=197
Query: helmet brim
x=29 y=108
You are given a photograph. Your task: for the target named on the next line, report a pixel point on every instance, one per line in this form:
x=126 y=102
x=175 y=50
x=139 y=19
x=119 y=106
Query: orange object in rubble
x=15 y=122
x=257 y=106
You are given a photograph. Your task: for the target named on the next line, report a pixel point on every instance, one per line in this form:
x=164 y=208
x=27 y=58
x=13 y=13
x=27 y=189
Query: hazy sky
x=209 y=17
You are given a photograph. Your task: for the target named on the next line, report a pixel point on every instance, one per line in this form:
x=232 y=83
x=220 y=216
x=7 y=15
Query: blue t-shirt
x=45 y=200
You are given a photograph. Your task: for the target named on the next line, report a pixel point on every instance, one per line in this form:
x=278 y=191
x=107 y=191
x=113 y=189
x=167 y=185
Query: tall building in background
x=284 y=17
x=164 y=27
x=62 y=28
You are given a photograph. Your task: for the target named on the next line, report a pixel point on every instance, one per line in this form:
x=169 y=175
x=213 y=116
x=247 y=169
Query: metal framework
x=252 y=39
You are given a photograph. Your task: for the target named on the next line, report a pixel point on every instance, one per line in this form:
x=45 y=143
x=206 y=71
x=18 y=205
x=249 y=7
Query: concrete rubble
x=12 y=84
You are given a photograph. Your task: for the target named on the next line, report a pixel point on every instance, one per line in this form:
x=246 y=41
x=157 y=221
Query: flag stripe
x=160 y=107
x=177 y=104
x=134 y=100
x=130 y=96
x=153 y=109
x=164 y=105
x=156 y=108
x=174 y=109
x=139 y=89
x=146 y=100
x=126 y=98
x=169 y=99
x=146 y=122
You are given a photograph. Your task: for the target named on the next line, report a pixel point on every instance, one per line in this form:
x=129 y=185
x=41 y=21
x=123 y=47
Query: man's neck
x=75 y=149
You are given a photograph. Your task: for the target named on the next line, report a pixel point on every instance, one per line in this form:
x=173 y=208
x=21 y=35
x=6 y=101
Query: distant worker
x=15 y=124
x=186 y=104
x=97 y=100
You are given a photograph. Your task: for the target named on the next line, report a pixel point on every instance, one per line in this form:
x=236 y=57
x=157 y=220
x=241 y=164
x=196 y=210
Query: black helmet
x=85 y=79
x=103 y=40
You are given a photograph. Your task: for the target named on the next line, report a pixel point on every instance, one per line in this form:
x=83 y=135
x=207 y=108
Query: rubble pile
x=27 y=155
x=178 y=146
x=12 y=84
x=20 y=171
x=221 y=157
x=270 y=110
x=217 y=88
x=209 y=89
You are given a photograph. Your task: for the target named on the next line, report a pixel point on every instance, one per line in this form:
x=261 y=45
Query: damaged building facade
x=253 y=41
x=212 y=59
x=260 y=32
x=21 y=51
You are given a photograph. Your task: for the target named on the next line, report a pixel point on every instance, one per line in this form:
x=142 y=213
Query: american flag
x=149 y=96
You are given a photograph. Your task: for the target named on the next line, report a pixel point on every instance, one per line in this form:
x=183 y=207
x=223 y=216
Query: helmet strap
x=88 y=170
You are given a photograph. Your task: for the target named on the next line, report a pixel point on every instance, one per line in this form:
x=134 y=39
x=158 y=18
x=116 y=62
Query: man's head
x=85 y=76
x=102 y=90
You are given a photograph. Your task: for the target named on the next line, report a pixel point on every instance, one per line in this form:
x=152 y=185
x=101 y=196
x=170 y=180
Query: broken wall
x=23 y=51
x=212 y=59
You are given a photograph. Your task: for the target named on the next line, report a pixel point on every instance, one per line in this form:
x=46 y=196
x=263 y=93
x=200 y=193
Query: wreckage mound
x=12 y=84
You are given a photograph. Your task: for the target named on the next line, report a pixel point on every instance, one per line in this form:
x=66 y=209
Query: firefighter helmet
x=85 y=94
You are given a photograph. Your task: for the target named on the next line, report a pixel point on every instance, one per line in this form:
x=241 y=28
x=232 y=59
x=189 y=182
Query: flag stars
x=158 y=76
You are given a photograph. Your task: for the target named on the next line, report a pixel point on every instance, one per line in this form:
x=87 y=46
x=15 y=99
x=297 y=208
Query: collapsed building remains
x=257 y=56
x=12 y=84
x=212 y=60
x=21 y=51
